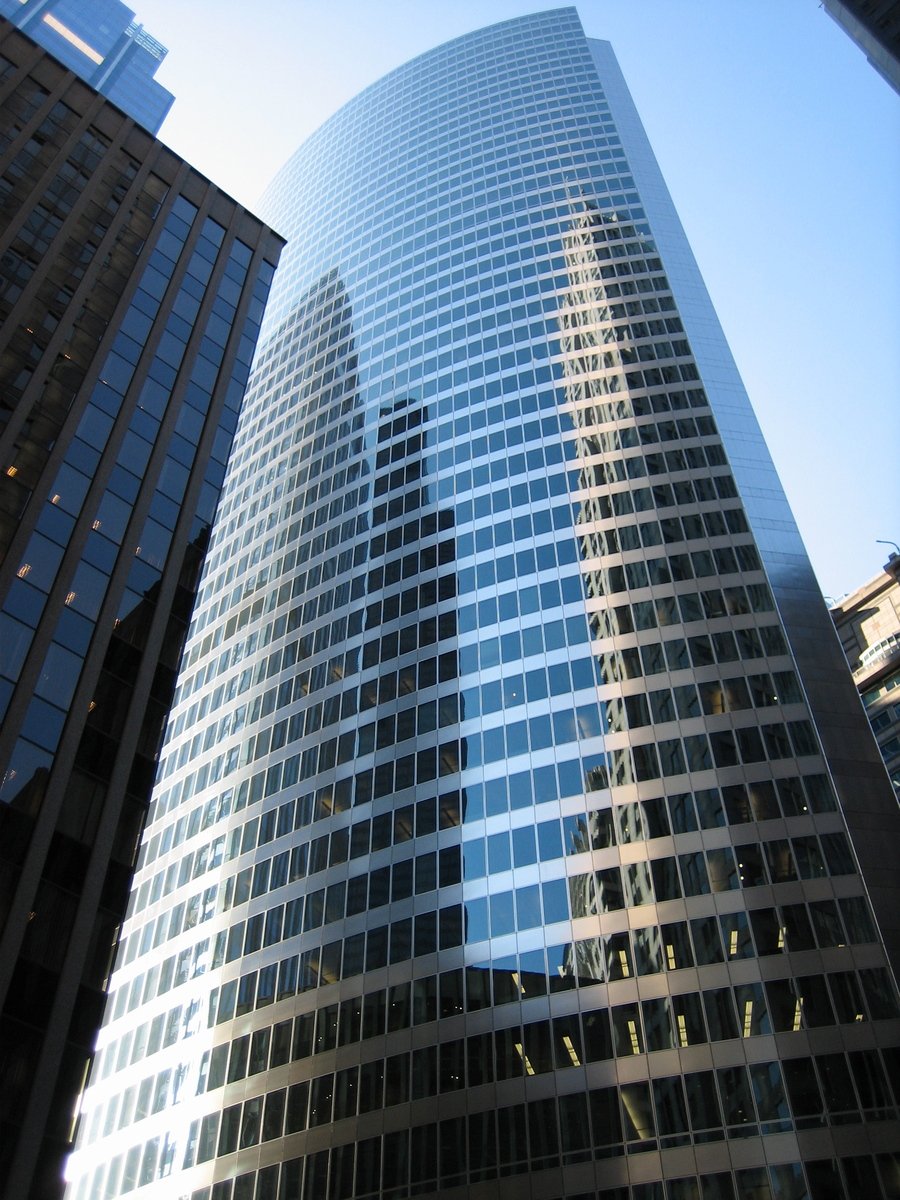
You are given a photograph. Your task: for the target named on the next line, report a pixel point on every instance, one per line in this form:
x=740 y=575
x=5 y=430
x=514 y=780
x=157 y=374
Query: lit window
x=74 y=40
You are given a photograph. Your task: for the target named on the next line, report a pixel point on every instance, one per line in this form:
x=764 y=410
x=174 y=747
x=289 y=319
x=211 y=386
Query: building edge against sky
x=492 y=834
x=875 y=27
x=131 y=292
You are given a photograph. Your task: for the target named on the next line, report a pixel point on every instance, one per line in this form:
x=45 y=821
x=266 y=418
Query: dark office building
x=875 y=27
x=131 y=292
x=100 y=41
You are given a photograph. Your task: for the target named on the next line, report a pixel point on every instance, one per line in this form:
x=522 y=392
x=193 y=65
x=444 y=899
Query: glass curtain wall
x=492 y=835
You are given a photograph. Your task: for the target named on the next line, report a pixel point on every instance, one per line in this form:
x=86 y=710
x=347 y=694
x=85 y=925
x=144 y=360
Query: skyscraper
x=100 y=41
x=493 y=834
x=131 y=291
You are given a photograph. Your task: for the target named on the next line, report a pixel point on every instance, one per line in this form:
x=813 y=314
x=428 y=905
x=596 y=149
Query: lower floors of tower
x=545 y=1150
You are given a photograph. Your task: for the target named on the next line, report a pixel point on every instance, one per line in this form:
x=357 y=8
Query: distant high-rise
x=868 y=624
x=100 y=41
x=131 y=292
x=505 y=835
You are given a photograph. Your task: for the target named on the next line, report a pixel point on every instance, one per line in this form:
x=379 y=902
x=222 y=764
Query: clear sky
x=780 y=145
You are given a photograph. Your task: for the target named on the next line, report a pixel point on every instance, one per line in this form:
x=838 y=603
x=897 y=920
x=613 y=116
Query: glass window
x=273 y=1115
x=869 y=1075
x=785 y=1007
x=666 y=881
x=637 y=883
x=237 y=1066
x=371 y=1086
x=619 y=964
x=228 y=1134
x=810 y=862
x=606 y=1118
x=627 y=1032
x=737 y=1100
x=720 y=1014
x=847 y=996
x=575 y=1128
x=768 y=1091
x=750 y=865
x=524 y=849
x=717 y=1187
x=638 y=1121
x=251 y=1118
x=879 y=992
x=736 y=935
x=671 y=1114
x=703 y=1101
x=788 y=1182
x=768 y=931
x=682 y=813
x=753 y=1016
x=648 y=950
x=687 y=1015
x=837 y=1083
x=857 y=919
x=509 y=1052
x=694 y=874
x=803 y=1089
x=723 y=873
x=814 y=1001
x=861 y=1175
x=658 y=1024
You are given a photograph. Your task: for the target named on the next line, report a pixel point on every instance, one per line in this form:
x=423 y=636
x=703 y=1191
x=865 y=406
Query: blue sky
x=780 y=145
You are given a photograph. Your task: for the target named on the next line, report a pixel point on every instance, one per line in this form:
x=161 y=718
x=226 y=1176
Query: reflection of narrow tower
x=499 y=525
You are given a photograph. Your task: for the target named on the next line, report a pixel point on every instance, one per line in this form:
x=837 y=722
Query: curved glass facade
x=492 y=834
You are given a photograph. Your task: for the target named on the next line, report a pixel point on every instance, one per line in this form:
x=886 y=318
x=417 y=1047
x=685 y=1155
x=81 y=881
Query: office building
x=131 y=292
x=496 y=848
x=100 y=41
x=868 y=624
x=875 y=27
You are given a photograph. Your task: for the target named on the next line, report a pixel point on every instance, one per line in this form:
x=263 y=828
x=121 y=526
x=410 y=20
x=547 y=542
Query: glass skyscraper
x=100 y=41
x=508 y=829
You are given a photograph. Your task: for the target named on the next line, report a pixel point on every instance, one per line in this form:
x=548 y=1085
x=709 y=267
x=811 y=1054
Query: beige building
x=868 y=623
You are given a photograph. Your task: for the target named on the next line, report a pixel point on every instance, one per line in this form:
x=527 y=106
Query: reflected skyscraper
x=510 y=815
